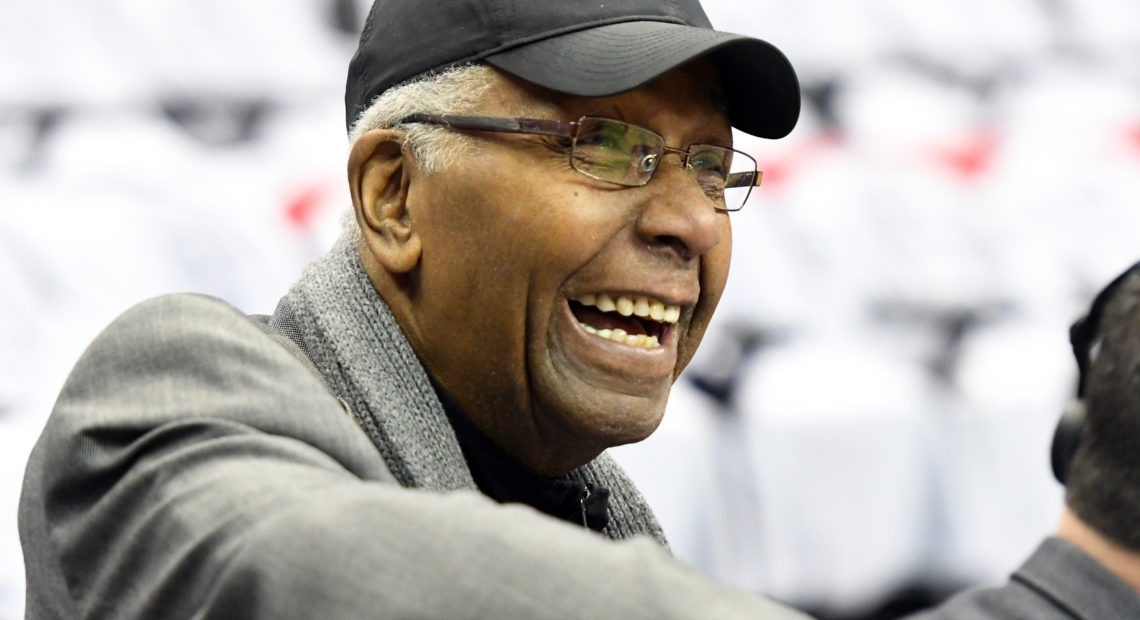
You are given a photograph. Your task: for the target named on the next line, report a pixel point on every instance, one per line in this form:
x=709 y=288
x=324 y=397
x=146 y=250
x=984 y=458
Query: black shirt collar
x=505 y=480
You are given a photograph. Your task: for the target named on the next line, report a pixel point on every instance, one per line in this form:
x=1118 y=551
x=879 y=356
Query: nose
x=677 y=217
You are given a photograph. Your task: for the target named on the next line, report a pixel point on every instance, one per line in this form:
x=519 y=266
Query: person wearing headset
x=1091 y=567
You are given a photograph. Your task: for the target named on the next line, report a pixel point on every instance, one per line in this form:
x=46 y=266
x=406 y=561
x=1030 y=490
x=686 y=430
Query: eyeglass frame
x=569 y=129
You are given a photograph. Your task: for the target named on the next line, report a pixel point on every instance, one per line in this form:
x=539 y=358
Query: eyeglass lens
x=628 y=155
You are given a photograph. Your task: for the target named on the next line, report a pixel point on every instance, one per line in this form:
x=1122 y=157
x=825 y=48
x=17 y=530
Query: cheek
x=470 y=276
x=496 y=249
x=474 y=229
x=715 y=267
x=557 y=230
x=714 y=275
x=714 y=271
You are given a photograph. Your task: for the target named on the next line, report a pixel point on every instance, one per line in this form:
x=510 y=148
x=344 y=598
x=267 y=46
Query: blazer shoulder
x=176 y=311
x=179 y=327
x=187 y=357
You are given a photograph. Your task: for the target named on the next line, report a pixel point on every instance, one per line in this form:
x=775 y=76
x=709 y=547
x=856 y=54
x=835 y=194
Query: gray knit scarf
x=339 y=320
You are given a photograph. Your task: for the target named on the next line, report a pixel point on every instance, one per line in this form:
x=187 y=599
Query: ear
x=378 y=179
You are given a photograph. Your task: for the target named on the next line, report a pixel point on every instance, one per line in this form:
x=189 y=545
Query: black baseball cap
x=589 y=48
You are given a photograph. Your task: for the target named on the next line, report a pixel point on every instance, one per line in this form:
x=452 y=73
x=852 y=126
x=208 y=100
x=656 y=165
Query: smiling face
x=556 y=309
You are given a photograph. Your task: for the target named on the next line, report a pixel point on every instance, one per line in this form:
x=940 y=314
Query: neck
x=1124 y=562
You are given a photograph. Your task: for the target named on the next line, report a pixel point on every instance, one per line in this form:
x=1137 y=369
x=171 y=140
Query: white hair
x=456 y=90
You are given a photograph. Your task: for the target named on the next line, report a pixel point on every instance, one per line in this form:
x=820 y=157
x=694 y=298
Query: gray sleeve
x=192 y=468
x=1057 y=582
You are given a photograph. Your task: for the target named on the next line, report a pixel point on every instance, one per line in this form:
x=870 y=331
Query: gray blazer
x=194 y=467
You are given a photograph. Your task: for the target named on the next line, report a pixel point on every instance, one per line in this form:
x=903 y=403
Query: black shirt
x=505 y=480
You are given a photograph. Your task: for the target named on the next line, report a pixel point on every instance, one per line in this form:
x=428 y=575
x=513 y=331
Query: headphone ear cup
x=1067 y=438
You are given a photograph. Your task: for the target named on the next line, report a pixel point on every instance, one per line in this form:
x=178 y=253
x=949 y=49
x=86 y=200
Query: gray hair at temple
x=456 y=90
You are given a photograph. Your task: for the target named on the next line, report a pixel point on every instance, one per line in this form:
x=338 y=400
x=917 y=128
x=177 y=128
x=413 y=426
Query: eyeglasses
x=624 y=154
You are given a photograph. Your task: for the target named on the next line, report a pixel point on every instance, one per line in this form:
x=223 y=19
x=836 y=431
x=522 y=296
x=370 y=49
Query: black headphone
x=1083 y=336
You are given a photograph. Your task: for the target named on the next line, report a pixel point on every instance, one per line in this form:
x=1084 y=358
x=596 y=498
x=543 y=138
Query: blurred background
x=866 y=428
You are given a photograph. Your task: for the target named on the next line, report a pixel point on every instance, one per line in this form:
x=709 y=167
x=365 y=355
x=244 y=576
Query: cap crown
x=405 y=38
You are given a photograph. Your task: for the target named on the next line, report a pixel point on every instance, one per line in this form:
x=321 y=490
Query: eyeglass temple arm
x=751 y=178
x=544 y=127
x=489 y=123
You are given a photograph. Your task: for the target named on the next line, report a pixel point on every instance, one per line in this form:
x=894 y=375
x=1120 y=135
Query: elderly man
x=540 y=235
x=541 y=194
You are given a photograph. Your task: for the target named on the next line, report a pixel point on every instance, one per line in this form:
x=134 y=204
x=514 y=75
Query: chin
x=629 y=438
x=622 y=423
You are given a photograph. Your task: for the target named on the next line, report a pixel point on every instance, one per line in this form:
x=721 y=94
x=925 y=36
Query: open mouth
x=634 y=321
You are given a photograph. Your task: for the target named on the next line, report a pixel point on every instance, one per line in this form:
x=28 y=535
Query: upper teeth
x=643 y=307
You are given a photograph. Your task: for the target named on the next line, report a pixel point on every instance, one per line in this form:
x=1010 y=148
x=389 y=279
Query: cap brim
x=760 y=84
